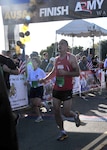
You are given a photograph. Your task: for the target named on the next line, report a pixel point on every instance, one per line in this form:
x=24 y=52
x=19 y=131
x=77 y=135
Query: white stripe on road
x=99 y=147
x=95 y=141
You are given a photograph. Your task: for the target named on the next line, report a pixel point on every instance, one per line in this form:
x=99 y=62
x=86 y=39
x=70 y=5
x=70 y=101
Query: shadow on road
x=42 y=136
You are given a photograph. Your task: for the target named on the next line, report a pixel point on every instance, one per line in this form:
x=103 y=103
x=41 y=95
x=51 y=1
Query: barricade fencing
x=86 y=82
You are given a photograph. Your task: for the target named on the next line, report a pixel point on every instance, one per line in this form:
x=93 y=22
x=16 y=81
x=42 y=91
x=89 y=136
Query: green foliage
x=52 y=50
x=103 y=49
x=77 y=50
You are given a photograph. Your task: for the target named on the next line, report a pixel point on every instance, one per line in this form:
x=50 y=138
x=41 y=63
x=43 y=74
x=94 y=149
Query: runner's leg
x=57 y=113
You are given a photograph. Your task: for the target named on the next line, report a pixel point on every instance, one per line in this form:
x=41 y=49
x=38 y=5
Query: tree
x=77 y=50
x=51 y=50
x=103 y=49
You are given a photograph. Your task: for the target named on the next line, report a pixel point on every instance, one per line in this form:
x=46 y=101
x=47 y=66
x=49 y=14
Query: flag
x=90 y=65
x=22 y=67
x=22 y=64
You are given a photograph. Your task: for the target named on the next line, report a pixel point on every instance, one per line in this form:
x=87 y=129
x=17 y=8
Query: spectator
x=45 y=61
x=9 y=68
x=36 y=89
x=50 y=64
x=89 y=57
x=95 y=62
x=8 y=134
x=83 y=64
x=29 y=61
x=16 y=60
x=30 y=67
x=105 y=68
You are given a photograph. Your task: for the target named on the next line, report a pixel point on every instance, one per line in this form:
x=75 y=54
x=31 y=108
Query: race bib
x=60 y=81
x=34 y=84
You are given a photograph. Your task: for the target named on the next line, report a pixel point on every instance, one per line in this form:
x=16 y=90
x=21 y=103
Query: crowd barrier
x=86 y=82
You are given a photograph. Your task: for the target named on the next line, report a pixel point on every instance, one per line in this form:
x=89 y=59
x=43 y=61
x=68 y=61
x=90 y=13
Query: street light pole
x=92 y=31
x=93 y=41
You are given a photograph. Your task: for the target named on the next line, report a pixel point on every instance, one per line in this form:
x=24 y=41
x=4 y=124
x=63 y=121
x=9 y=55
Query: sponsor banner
x=18 y=92
x=90 y=80
x=103 y=83
x=48 y=87
x=76 y=85
x=49 y=10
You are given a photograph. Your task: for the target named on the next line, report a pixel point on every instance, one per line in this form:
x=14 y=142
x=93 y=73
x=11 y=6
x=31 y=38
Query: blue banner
x=11 y=2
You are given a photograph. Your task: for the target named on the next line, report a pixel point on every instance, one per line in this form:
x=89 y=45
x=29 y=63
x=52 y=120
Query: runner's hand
x=42 y=81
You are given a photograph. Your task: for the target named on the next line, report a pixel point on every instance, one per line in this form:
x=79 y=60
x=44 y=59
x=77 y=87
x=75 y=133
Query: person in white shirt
x=36 y=88
x=105 y=67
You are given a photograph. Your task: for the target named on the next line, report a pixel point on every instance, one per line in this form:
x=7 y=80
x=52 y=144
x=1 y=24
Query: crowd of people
x=88 y=62
x=8 y=117
x=39 y=71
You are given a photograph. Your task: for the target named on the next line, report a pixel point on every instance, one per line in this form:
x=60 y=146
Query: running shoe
x=62 y=136
x=46 y=105
x=39 y=119
x=77 y=119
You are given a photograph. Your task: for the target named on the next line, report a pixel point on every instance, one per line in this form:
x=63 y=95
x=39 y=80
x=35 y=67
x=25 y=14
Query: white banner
x=18 y=92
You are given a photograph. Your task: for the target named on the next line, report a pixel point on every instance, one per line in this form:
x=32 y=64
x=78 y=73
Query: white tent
x=81 y=28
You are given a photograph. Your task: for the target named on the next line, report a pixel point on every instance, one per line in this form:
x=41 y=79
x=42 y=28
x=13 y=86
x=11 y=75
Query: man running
x=64 y=70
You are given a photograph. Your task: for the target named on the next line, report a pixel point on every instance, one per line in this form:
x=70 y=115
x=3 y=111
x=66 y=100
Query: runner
x=64 y=70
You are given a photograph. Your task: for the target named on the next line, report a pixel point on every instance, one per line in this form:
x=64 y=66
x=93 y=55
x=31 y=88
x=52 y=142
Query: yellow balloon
x=17 y=48
x=23 y=41
x=27 y=38
x=24 y=28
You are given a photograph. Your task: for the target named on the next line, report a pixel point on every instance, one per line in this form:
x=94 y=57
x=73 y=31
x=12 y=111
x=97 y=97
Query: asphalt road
x=91 y=135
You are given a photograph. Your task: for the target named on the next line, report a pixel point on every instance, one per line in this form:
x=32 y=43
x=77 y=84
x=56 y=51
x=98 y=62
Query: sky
x=43 y=35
